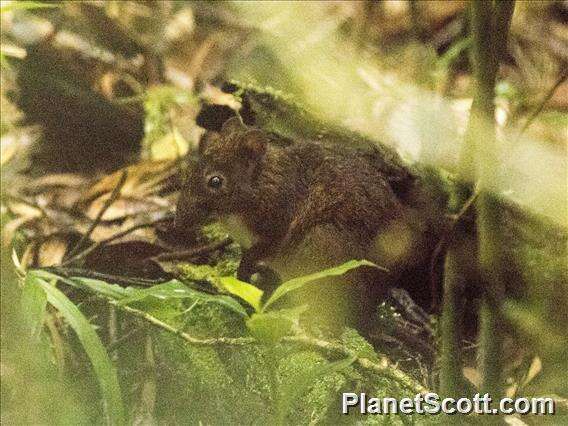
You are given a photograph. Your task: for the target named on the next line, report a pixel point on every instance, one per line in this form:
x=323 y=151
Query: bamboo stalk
x=489 y=27
x=489 y=30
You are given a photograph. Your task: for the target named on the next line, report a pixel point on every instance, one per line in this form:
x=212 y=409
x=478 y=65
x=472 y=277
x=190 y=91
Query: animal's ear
x=212 y=116
x=205 y=140
x=232 y=125
x=254 y=143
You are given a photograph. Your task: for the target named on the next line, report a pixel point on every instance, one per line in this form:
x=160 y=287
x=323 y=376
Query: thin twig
x=111 y=199
x=542 y=103
x=122 y=339
x=57 y=343
x=384 y=367
x=108 y=240
x=191 y=253
x=216 y=341
x=112 y=328
x=443 y=244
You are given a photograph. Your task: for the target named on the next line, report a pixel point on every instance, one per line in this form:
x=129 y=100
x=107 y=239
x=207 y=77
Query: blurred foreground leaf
x=104 y=370
x=33 y=303
x=22 y=5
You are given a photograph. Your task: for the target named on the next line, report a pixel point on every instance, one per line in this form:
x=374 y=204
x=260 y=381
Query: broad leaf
x=245 y=291
x=112 y=291
x=297 y=283
x=175 y=289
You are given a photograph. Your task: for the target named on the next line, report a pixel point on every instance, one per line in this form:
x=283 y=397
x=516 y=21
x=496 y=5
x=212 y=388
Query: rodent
x=300 y=202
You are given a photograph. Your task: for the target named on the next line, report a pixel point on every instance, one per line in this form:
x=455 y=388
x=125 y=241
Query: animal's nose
x=190 y=212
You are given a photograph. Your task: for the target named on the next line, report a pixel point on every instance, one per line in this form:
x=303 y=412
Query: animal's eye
x=215 y=182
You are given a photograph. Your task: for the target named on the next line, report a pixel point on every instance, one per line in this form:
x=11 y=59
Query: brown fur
x=309 y=204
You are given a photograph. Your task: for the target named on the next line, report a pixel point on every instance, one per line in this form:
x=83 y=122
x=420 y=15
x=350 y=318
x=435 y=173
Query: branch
x=383 y=368
x=193 y=252
x=542 y=103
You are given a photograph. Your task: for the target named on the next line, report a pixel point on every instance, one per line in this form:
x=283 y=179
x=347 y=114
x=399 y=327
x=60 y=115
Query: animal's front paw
x=258 y=274
x=266 y=278
x=245 y=271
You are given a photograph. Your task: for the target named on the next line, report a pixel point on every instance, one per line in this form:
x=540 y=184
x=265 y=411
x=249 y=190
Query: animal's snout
x=189 y=213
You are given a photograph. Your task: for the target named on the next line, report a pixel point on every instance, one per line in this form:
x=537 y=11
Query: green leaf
x=27 y=5
x=269 y=327
x=455 y=50
x=248 y=292
x=112 y=291
x=175 y=289
x=104 y=370
x=292 y=390
x=33 y=303
x=296 y=283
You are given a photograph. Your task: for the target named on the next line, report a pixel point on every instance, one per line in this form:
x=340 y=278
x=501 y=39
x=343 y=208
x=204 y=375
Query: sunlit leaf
x=170 y=146
x=248 y=292
x=25 y=5
x=297 y=283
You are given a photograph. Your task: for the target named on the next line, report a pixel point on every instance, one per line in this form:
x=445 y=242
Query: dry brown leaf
x=142 y=179
x=102 y=232
x=533 y=371
x=125 y=207
x=9 y=230
x=51 y=252
x=473 y=376
x=63 y=180
x=28 y=257
x=513 y=421
x=24 y=210
x=57 y=209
